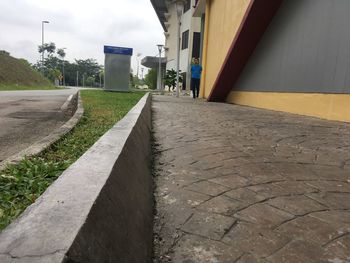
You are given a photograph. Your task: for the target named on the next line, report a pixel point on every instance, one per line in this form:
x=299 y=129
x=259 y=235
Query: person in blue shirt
x=196 y=71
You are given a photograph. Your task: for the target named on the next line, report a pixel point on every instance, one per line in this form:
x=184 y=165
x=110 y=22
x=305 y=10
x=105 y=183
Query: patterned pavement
x=238 y=184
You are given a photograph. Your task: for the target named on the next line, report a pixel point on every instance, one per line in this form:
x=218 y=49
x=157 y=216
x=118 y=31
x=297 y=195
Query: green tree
x=50 y=48
x=170 y=78
x=151 y=79
x=53 y=74
x=88 y=67
x=90 y=81
x=61 y=53
x=101 y=77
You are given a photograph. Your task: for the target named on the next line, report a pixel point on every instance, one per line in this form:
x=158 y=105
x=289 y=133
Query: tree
x=50 y=48
x=90 y=81
x=170 y=78
x=61 y=53
x=54 y=74
x=151 y=79
x=89 y=66
x=101 y=77
x=54 y=64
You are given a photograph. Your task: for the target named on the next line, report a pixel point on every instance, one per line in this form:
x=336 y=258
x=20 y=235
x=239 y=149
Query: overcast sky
x=82 y=26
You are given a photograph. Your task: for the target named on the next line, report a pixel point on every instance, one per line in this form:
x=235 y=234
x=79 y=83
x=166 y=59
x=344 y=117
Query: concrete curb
x=100 y=209
x=65 y=105
x=72 y=104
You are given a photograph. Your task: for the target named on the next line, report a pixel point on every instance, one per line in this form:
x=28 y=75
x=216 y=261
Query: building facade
x=285 y=55
x=190 y=36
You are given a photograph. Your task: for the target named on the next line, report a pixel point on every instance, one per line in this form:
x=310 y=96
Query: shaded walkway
x=238 y=184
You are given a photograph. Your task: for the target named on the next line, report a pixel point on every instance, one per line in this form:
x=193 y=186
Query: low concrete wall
x=98 y=210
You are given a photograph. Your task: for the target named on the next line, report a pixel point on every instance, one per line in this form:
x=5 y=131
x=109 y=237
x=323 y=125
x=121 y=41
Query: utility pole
x=137 y=58
x=64 y=75
x=179 y=5
x=159 y=79
x=100 y=79
x=77 y=83
x=42 y=45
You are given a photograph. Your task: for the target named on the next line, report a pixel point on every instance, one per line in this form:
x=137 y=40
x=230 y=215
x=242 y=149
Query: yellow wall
x=224 y=19
x=326 y=106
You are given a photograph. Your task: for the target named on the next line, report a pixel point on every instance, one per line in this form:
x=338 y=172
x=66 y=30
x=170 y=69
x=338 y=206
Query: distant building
x=189 y=33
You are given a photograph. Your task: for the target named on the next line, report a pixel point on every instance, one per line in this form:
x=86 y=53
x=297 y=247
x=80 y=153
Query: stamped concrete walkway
x=238 y=184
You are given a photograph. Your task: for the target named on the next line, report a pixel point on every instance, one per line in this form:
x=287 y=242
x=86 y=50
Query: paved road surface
x=238 y=184
x=28 y=116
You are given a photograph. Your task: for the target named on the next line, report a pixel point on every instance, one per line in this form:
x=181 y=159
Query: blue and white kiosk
x=117 y=68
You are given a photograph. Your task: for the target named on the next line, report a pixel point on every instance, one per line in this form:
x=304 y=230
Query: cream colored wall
x=225 y=17
x=171 y=39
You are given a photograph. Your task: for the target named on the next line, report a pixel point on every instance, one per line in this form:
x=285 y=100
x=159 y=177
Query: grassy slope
x=16 y=74
x=21 y=184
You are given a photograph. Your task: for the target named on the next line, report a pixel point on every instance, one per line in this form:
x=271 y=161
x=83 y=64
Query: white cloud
x=82 y=26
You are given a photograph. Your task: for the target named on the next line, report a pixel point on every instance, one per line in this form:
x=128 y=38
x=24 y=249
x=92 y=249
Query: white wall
x=170 y=41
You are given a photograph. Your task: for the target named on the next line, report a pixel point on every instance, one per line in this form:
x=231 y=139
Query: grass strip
x=23 y=183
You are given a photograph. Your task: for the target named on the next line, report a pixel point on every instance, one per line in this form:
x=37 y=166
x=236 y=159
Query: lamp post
x=142 y=69
x=138 y=63
x=77 y=82
x=179 y=4
x=159 y=80
x=42 y=44
x=100 y=74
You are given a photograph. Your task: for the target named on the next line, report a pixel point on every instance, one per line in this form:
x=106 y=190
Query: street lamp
x=42 y=43
x=138 y=63
x=179 y=5
x=142 y=69
x=159 y=80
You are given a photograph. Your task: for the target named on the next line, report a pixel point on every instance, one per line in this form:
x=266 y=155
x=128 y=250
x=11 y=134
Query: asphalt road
x=28 y=116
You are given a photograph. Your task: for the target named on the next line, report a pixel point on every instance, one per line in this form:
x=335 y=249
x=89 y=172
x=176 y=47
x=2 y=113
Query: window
x=196 y=44
x=185 y=40
x=187 y=6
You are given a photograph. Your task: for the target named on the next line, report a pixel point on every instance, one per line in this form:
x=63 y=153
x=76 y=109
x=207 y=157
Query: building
x=190 y=36
x=285 y=55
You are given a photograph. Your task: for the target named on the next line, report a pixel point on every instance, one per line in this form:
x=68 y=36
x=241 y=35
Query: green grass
x=4 y=87
x=22 y=184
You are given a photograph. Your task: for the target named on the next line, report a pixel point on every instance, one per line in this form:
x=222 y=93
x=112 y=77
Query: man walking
x=196 y=71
